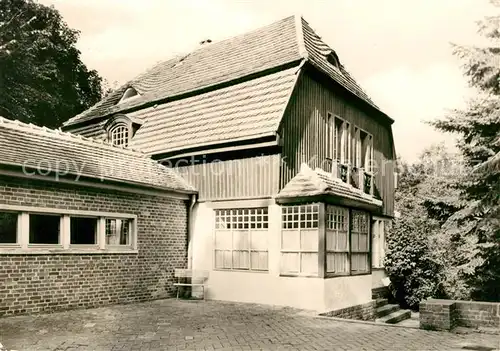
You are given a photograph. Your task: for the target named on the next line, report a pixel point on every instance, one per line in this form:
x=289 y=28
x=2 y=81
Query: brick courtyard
x=198 y=325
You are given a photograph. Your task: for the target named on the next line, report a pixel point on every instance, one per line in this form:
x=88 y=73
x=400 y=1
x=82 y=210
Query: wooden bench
x=198 y=278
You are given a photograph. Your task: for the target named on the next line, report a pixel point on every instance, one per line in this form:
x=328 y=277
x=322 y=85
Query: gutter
x=190 y=234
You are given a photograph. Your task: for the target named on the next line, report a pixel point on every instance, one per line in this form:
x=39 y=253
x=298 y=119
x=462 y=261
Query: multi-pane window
x=360 y=242
x=241 y=239
x=24 y=228
x=44 y=229
x=8 y=227
x=119 y=135
x=83 y=231
x=337 y=240
x=118 y=231
x=299 y=239
x=346 y=241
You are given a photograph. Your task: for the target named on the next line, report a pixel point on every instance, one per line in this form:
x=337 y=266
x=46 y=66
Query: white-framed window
x=360 y=242
x=241 y=239
x=380 y=227
x=366 y=152
x=118 y=231
x=334 y=132
x=28 y=229
x=9 y=221
x=119 y=134
x=44 y=229
x=300 y=239
x=84 y=230
x=337 y=240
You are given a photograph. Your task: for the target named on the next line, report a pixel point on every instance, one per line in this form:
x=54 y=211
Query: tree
x=42 y=79
x=425 y=199
x=474 y=230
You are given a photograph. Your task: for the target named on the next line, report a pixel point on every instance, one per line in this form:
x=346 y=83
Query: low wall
x=447 y=314
x=364 y=312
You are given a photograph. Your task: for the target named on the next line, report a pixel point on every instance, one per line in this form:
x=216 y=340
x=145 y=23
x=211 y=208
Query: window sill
x=292 y=275
x=336 y=275
x=240 y=271
x=5 y=250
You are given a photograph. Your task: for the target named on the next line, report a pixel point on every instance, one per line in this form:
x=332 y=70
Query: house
x=292 y=163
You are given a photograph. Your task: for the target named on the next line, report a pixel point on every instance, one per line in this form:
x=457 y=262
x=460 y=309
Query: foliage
x=472 y=233
x=425 y=199
x=42 y=79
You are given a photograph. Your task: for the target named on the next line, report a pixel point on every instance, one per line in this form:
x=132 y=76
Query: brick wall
x=447 y=314
x=40 y=283
x=365 y=312
x=478 y=314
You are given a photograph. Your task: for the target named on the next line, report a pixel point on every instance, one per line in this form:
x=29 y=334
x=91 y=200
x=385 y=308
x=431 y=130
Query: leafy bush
x=409 y=262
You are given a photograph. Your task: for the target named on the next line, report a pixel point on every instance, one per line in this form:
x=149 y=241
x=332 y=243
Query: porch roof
x=310 y=183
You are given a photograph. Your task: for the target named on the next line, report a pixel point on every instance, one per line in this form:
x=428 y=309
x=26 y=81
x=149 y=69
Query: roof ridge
x=22 y=126
x=299 y=29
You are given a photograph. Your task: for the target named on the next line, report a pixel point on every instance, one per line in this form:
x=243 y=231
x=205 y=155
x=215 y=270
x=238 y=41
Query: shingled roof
x=279 y=44
x=311 y=183
x=47 y=150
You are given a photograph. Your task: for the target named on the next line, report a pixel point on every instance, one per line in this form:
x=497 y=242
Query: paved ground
x=198 y=325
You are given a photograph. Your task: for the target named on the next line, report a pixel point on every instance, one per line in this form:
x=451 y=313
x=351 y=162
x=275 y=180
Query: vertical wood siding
x=304 y=136
x=235 y=179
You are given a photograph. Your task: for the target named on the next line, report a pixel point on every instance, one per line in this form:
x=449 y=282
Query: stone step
x=385 y=310
x=381 y=302
x=395 y=317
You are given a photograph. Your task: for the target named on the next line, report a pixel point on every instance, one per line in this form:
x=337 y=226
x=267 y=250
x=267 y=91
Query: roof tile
x=308 y=183
x=251 y=108
x=52 y=150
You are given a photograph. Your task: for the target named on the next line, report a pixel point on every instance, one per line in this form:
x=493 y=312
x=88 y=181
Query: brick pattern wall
x=478 y=314
x=447 y=314
x=364 y=312
x=437 y=314
x=42 y=283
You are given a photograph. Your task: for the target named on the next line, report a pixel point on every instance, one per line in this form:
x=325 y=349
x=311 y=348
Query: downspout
x=190 y=227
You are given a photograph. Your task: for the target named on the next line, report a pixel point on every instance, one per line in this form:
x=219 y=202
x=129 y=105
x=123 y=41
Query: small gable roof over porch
x=312 y=184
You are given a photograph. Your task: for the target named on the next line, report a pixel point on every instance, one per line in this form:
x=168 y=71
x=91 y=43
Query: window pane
x=290 y=240
x=309 y=263
x=337 y=262
x=290 y=262
x=259 y=260
x=8 y=227
x=83 y=230
x=241 y=260
x=241 y=240
x=309 y=240
x=118 y=231
x=44 y=229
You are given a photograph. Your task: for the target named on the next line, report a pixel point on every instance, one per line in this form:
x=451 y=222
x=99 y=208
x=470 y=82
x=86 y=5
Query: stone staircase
x=388 y=313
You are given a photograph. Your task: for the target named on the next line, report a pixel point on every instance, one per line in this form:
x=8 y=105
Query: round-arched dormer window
x=119 y=134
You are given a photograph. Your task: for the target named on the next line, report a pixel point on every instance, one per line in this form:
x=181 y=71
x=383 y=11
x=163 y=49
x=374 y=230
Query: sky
x=399 y=51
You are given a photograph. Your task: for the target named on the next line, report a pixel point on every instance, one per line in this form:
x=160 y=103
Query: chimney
x=205 y=42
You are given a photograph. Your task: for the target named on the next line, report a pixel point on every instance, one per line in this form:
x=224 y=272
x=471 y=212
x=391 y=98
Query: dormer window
x=333 y=59
x=119 y=134
x=129 y=94
x=121 y=129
